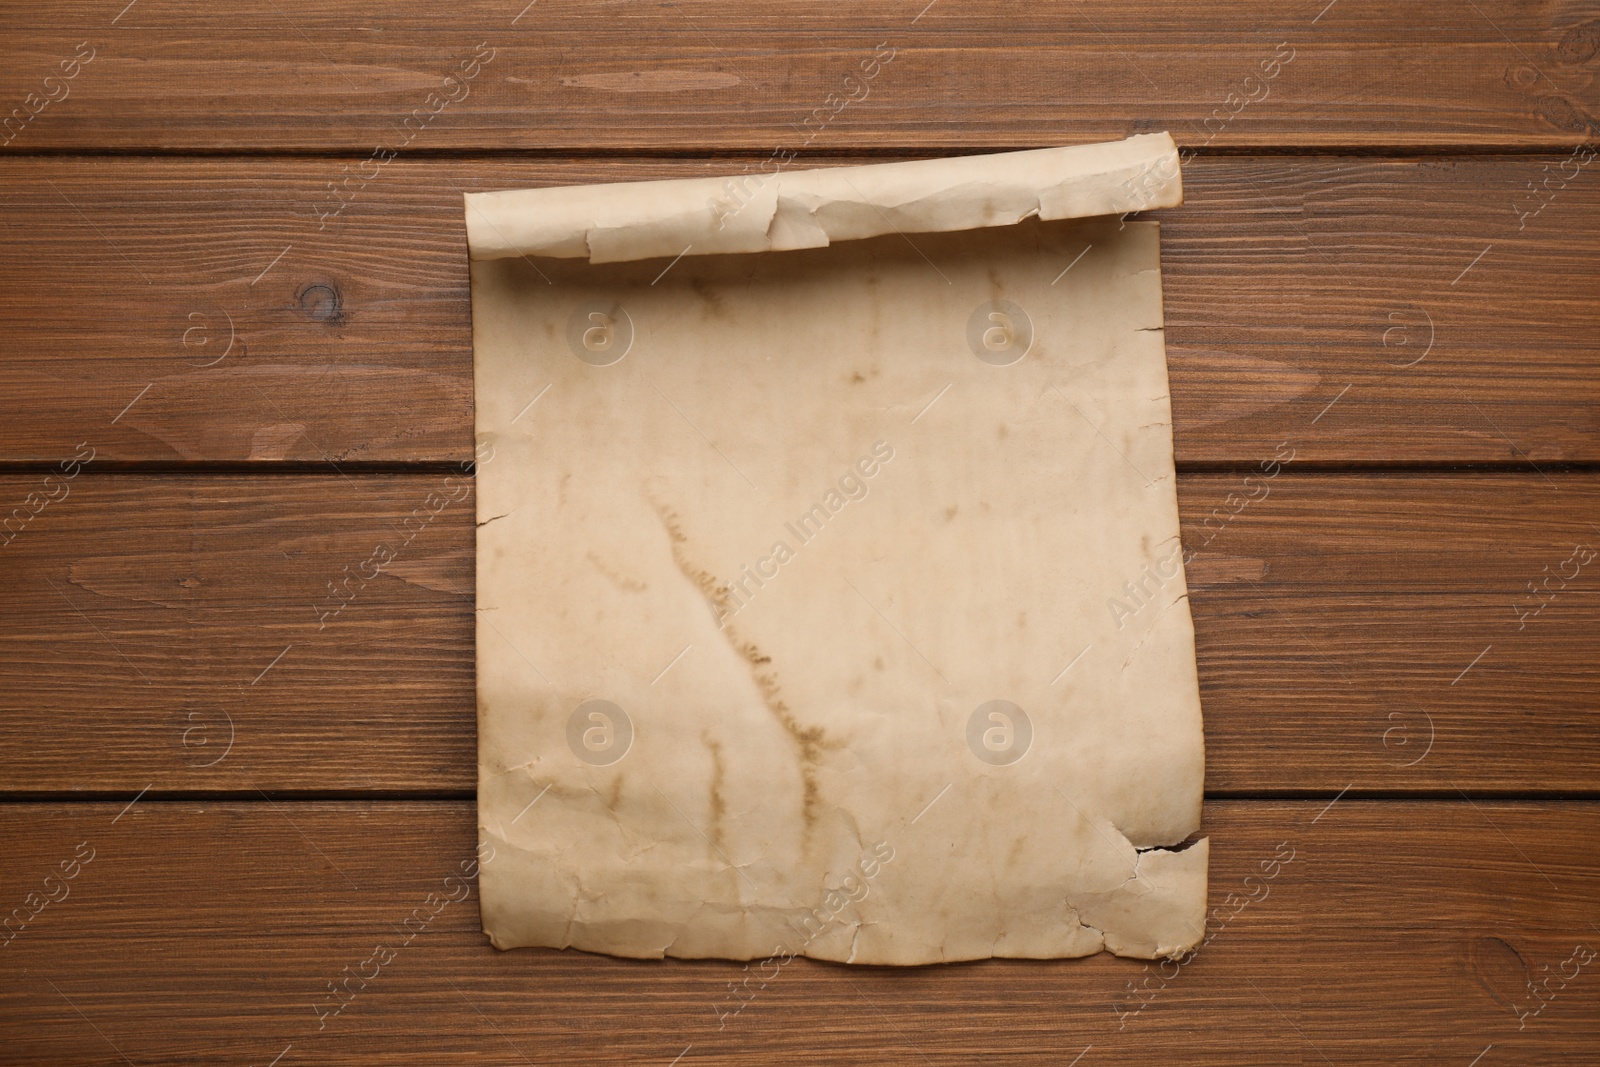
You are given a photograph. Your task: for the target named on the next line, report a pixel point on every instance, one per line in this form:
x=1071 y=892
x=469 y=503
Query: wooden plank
x=213 y=931
x=218 y=632
x=193 y=310
x=1344 y=630
x=571 y=74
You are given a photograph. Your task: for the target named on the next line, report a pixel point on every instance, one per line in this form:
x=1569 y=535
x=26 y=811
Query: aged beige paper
x=830 y=595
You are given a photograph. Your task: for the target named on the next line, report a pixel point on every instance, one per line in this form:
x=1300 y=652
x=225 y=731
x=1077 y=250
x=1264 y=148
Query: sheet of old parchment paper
x=830 y=595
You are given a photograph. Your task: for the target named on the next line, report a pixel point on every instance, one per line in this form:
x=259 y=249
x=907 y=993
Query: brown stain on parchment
x=719 y=775
x=810 y=741
x=715 y=592
x=715 y=306
x=622 y=581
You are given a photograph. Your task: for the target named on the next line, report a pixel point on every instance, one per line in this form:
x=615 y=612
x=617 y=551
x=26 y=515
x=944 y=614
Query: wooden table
x=218 y=799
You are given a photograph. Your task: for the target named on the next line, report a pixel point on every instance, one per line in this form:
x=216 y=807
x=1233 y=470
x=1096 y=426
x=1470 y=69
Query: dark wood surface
x=269 y=383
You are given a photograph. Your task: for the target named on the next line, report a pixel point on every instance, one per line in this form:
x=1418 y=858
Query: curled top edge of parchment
x=763 y=212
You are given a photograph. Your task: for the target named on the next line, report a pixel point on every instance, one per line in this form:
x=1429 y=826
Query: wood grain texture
x=1395 y=932
x=195 y=311
x=717 y=74
x=151 y=618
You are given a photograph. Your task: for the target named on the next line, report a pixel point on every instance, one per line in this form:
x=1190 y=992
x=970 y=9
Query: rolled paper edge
x=762 y=212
